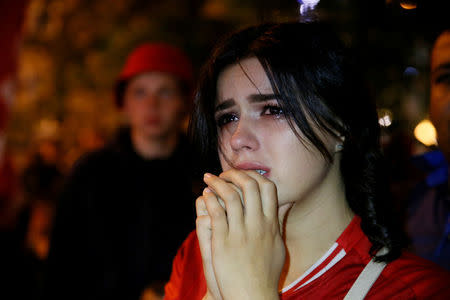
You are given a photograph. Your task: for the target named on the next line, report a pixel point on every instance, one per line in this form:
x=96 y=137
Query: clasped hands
x=239 y=233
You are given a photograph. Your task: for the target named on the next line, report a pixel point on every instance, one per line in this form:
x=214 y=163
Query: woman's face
x=253 y=133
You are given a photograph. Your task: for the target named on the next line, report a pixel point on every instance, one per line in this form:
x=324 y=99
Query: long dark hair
x=319 y=87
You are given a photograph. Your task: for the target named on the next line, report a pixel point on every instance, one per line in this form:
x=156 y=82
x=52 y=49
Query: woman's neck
x=153 y=148
x=314 y=224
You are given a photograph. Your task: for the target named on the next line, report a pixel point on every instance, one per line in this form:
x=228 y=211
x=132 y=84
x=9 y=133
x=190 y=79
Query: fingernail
x=207 y=190
x=207 y=175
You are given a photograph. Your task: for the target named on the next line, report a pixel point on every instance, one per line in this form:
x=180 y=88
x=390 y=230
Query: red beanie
x=155 y=57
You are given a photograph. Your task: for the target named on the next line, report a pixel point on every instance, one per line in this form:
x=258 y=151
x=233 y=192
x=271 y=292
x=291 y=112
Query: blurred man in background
x=117 y=223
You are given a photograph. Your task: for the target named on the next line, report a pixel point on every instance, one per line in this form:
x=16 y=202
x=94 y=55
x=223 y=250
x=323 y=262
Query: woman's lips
x=261 y=169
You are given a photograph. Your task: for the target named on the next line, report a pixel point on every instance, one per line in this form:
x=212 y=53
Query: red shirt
x=408 y=277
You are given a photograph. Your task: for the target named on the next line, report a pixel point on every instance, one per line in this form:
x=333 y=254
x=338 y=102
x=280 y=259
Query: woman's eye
x=225 y=119
x=272 y=110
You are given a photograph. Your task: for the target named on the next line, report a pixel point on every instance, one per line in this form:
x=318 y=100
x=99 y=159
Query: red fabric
x=158 y=57
x=408 y=277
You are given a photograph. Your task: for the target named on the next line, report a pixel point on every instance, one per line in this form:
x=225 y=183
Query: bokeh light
x=384 y=117
x=411 y=72
x=426 y=133
x=408 y=4
x=306 y=6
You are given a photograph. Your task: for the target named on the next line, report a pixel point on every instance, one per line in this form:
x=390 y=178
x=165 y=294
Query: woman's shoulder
x=413 y=265
x=423 y=278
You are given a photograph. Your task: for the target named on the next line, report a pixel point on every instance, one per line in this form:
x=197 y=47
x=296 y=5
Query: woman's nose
x=244 y=137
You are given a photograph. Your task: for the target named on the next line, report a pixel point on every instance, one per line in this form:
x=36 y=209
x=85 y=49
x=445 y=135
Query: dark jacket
x=119 y=222
x=428 y=209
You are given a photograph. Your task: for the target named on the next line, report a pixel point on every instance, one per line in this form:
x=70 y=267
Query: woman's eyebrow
x=252 y=98
x=262 y=97
x=224 y=105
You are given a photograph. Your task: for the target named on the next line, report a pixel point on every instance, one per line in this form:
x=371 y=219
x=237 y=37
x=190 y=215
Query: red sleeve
x=187 y=281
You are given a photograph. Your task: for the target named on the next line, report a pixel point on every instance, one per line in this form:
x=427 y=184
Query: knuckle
x=200 y=202
x=230 y=196
x=269 y=186
x=216 y=213
x=214 y=210
x=208 y=197
x=249 y=183
x=203 y=221
x=234 y=198
x=227 y=173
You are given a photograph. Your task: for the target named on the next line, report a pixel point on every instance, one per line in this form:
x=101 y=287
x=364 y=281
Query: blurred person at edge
x=428 y=207
x=126 y=208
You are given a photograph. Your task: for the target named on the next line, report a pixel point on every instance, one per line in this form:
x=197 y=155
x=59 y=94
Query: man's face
x=440 y=90
x=154 y=105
